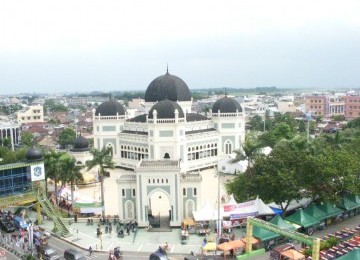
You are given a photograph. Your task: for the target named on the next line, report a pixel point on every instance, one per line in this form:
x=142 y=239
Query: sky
x=82 y=45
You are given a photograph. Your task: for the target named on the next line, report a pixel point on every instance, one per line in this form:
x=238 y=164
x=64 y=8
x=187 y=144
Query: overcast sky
x=75 y=45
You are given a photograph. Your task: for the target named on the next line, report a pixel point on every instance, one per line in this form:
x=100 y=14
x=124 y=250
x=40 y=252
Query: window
x=133 y=193
x=228 y=147
x=123 y=192
x=184 y=191
x=195 y=191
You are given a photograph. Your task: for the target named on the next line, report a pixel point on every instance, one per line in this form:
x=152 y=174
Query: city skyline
x=85 y=46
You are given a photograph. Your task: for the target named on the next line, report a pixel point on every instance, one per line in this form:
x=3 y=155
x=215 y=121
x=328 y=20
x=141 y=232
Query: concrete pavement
x=142 y=241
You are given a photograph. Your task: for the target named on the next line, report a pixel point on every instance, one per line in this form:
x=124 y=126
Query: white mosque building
x=163 y=156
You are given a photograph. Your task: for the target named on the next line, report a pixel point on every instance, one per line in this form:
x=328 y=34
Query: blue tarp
x=277 y=211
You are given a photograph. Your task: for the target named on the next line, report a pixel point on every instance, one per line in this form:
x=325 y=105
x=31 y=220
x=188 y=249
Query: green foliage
x=338 y=117
x=355 y=123
x=324 y=245
x=103 y=159
x=67 y=137
x=8 y=156
x=27 y=138
x=52 y=106
x=10 y=109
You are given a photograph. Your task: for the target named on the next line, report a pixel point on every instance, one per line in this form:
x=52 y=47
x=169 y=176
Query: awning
x=293 y=254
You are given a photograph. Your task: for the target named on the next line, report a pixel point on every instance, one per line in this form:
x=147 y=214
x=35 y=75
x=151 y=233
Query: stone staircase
x=55 y=215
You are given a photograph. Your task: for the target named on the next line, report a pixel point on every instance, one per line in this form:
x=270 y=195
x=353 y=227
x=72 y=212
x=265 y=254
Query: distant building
x=31 y=114
x=10 y=131
x=317 y=105
x=352 y=106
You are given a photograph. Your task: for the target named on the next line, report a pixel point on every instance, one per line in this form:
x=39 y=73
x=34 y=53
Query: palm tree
x=101 y=158
x=53 y=168
x=72 y=173
x=248 y=152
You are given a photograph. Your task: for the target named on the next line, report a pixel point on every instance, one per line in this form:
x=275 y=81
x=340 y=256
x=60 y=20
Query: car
x=50 y=254
x=20 y=223
x=7 y=226
x=72 y=254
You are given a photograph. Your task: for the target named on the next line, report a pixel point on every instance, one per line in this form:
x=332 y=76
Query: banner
x=37 y=172
x=244 y=215
x=228 y=208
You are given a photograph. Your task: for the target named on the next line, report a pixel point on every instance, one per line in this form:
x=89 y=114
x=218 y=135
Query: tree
x=67 y=137
x=248 y=152
x=72 y=172
x=27 y=138
x=53 y=168
x=103 y=159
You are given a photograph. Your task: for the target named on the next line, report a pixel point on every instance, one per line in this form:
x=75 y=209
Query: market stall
x=266 y=237
x=334 y=213
x=292 y=254
x=308 y=223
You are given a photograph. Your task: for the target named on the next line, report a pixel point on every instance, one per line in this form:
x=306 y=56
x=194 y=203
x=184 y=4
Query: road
x=6 y=255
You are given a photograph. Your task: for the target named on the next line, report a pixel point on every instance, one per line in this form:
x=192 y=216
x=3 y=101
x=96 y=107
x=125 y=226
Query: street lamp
x=218 y=217
x=67 y=204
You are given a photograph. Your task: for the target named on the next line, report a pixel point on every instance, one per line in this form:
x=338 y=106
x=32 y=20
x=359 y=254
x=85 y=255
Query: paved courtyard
x=84 y=236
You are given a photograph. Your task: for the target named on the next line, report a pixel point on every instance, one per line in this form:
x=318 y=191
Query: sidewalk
x=143 y=241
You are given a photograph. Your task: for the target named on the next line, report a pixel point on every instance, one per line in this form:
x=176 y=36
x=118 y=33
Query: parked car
x=7 y=226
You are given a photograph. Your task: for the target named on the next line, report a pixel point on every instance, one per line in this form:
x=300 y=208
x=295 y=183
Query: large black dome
x=110 y=108
x=166 y=109
x=226 y=105
x=167 y=87
x=81 y=144
x=34 y=154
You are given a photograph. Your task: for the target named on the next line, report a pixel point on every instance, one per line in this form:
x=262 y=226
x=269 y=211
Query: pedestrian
x=128 y=231
x=90 y=250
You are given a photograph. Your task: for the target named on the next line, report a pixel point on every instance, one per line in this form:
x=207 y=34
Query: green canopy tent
x=354 y=254
x=316 y=212
x=354 y=198
x=277 y=220
x=330 y=209
x=263 y=234
x=303 y=219
x=347 y=204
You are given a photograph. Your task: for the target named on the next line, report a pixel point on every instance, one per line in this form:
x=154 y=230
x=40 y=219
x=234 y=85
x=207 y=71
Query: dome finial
x=226 y=92
x=110 y=96
x=167 y=68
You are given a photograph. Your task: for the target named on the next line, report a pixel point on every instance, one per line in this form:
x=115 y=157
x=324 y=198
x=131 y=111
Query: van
x=20 y=223
x=72 y=254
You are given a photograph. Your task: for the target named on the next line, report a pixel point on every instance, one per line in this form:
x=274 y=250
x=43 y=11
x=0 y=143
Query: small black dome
x=34 y=154
x=167 y=87
x=226 y=105
x=110 y=108
x=81 y=144
x=166 y=109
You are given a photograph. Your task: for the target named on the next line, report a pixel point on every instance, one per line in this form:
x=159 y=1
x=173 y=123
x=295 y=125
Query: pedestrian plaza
x=84 y=235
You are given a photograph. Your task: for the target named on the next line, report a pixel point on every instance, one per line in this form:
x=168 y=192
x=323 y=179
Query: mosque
x=164 y=156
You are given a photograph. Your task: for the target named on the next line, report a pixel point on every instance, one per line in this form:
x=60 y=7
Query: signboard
x=244 y=215
x=238 y=206
x=37 y=172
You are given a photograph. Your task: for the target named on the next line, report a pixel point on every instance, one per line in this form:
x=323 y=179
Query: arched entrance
x=160 y=209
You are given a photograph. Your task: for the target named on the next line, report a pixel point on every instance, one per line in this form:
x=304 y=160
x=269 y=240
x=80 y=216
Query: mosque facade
x=160 y=155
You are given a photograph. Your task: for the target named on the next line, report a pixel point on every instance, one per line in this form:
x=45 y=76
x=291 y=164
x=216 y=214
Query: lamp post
x=218 y=217
x=67 y=204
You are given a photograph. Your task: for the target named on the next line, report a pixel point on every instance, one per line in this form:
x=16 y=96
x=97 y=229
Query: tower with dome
x=165 y=157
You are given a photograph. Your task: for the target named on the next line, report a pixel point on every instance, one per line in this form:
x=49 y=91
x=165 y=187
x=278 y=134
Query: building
x=11 y=132
x=32 y=114
x=167 y=152
x=317 y=105
x=352 y=106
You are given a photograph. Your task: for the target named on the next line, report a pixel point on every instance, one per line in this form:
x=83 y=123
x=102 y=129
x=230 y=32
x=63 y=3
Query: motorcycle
x=117 y=254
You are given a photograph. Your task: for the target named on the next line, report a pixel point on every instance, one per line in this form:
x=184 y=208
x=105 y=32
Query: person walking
x=90 y=250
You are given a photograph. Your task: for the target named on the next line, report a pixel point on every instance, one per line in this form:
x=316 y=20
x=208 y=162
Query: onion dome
x=167 y=87
x=166 y=109
x=34 y=154
x=110 y=108
x=226 y=105
x=80 y=144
